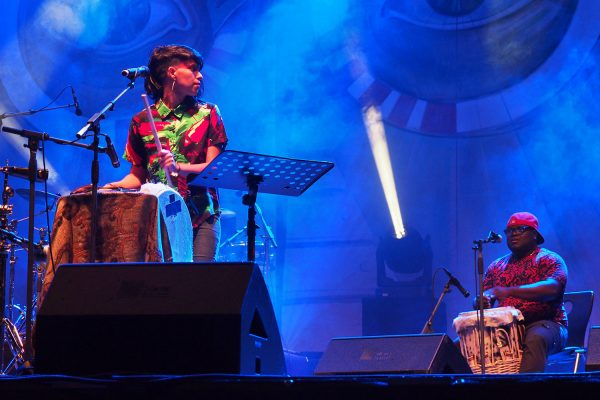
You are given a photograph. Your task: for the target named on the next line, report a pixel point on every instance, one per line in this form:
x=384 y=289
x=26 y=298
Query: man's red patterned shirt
x=538 y=266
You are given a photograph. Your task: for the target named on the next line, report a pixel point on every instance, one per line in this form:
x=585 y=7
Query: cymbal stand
x=8 y=333
x=269 y=239
x=233 y=237
x=5 y=210
x=13 y=326
x=269 y=235
x=33 y=144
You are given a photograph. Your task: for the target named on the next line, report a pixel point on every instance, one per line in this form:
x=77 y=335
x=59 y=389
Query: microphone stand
x=93 y=125
x=478 y=249
x=427 y=328
x=33 y=141
x=31 y=112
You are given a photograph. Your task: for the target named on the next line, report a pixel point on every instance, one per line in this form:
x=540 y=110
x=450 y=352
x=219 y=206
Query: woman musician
x=191 y=134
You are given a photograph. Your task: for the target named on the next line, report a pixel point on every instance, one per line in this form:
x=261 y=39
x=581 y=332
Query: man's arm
x=545 y=290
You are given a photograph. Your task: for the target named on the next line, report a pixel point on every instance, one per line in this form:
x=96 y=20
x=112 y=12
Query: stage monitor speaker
x=592 y=362
x=158 y=318
x=406 y=354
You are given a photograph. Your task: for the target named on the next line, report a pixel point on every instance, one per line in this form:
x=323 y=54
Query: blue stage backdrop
x=489 y=107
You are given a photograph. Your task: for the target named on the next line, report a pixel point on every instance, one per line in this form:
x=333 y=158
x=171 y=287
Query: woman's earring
x=173 y=86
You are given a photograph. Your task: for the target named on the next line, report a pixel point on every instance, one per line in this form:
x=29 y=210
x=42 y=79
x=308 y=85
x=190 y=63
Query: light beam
x=381 y=155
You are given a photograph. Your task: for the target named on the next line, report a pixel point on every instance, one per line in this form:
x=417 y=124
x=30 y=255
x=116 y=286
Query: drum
x=503 y=339
x=238 y=251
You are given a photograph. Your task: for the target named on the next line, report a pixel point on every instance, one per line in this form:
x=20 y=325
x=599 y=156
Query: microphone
x=455 y=282
x=76 y=102
x=494 y=237
x=110 y=150
x=133 y=73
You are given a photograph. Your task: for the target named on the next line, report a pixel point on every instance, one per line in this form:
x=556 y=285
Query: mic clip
x=493 y=237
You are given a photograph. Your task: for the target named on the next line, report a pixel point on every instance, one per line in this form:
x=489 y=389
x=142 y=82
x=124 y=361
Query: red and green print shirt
x=538 y=266
x=186 y=131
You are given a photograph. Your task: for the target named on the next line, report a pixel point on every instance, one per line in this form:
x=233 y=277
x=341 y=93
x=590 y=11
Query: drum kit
x=235 y=247
x=12 y=332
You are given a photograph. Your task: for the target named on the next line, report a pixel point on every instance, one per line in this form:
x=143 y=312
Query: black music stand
x=240 y=170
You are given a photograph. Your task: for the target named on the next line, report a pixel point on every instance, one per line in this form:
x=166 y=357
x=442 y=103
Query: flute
x=155 y=134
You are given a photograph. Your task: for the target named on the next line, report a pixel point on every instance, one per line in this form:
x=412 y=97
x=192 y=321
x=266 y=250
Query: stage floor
x=526 y=386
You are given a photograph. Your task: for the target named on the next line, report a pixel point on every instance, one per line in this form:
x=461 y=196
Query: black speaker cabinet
x=407 y=354
x=592 y=362
x=147 y=318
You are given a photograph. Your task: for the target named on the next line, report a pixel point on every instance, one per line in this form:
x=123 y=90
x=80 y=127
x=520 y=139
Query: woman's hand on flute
x=167 y=161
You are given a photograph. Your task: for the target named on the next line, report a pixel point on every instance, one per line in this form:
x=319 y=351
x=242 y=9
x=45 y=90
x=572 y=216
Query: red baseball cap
x=525 y=219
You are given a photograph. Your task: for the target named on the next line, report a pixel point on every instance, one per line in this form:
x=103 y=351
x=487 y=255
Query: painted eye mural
x=452 y=67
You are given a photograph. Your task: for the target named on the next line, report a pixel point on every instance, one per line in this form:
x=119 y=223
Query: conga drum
x=503 y=339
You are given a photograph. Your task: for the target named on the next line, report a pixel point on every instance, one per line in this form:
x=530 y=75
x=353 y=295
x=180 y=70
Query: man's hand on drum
x=491 y=295
x=487 y=302
x=167 y=161
x=497 y=292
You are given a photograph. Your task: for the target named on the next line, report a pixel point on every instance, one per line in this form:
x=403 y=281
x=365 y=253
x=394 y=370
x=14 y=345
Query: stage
x=289 y=387
x=351 y=167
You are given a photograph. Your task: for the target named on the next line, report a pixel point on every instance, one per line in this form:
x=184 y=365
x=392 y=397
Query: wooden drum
x=503 y=339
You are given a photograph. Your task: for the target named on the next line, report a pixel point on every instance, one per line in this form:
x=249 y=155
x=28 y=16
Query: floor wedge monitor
x=158 y=318
x=592 y=362
x=402 y=354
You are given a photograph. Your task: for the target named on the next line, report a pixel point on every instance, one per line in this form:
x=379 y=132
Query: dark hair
x=161 y=58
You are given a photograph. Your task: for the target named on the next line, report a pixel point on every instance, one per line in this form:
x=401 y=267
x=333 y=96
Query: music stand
x=240 y=170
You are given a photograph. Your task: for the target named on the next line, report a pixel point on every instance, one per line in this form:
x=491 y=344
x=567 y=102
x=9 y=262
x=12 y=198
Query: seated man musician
x=531 y=279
